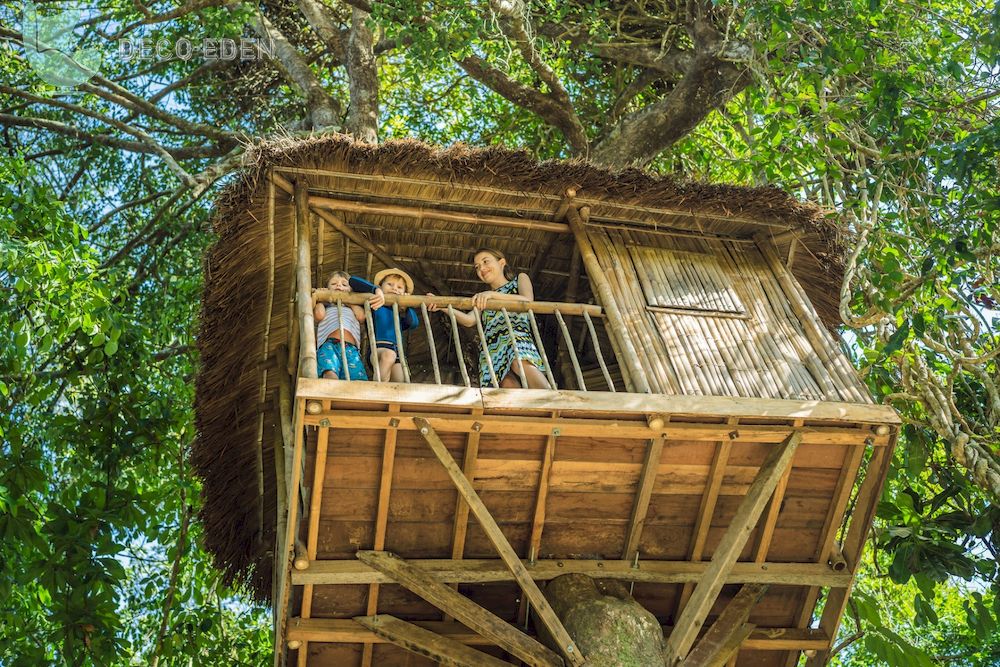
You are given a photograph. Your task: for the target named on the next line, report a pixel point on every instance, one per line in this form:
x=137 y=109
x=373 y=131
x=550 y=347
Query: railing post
x=541 y=348
x=343 y=343
x=570 y=348
x=597 y=350
x=303 y=284
x=376 y=371
x=458 y=346
x=517 y=355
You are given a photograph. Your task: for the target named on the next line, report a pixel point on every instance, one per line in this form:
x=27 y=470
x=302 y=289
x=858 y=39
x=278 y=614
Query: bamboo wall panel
x=682 y=279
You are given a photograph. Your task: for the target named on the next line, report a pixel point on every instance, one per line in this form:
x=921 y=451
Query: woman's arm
x=463 y=318
x=525 y=292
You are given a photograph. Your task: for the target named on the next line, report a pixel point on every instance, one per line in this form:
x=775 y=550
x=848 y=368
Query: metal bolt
x=569 y=649
x=476 y=426
x=556 y=431
x=324 y=422
x=393 y=422
x=733 y=435
x=424 y=430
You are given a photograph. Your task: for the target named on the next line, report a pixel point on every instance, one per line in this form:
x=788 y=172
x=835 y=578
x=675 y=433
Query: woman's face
x=489 y=268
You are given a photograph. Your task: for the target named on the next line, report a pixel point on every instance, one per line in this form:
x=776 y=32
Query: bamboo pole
x=571 y=351
x=603 y=291
x=376 y=370
x=303 y=282
x=485 y=348
x=541 y=348
x=399 y=343
x=562 y=350
x=598 y=353
x=430 y=343
x=458 y=346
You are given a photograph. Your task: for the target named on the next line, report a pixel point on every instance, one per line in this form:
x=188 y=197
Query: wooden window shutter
x=678 y=279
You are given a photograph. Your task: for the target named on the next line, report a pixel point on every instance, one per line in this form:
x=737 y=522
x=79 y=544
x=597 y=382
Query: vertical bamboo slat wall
x=713 y=317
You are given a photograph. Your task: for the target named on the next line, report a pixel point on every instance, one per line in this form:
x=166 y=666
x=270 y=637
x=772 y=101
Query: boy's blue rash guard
x=385 y=332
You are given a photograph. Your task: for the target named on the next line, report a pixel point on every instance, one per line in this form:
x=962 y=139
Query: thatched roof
x=248 y=277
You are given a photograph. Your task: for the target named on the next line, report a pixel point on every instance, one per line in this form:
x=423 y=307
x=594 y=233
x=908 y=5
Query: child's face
x=339 y=284
x=489 y=268
x=393 y=284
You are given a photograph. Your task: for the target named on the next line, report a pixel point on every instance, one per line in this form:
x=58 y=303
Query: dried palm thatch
x=245 y=315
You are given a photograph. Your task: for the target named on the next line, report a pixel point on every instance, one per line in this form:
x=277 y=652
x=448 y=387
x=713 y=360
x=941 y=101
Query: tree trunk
x=606 y=623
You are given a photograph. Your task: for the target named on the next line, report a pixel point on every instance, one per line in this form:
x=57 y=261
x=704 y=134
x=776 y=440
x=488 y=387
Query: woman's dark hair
x=508 y=272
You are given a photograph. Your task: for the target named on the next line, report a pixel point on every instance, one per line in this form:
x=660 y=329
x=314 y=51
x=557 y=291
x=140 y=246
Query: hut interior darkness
x=707 y=449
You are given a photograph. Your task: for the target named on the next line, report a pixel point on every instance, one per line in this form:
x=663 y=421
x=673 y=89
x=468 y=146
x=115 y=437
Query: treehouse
x=705 y=451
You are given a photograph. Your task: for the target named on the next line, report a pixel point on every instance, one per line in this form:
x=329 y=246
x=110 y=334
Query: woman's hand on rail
x=479 y=300
x=433 y=307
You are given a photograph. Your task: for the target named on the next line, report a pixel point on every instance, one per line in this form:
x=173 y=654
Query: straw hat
x=381 y=275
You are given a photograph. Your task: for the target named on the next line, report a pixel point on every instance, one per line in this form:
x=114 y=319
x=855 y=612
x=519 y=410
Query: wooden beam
x=347 y=631
x=729 y=630
x=460 y=529
x=584 y=427
x=643 y=493
x=481 y=571
x=742 y=526
x=423 y=642
x=381 y=520
x=538 y=519
x=773 y=511
x=445 y=598
x=618 y=329
x=428 y=213
x=597 y=401
x=542 y=608
x=312 y=534
x=283 y=558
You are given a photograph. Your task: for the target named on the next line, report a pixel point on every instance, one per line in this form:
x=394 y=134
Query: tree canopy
x=883 y=113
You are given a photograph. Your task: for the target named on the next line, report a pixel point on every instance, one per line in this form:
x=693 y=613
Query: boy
x=328 y=354
x=391 y=281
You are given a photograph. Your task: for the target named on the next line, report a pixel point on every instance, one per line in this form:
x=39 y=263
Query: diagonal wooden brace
x=413 y=638
x=723 y=639
x=726 y=554
x=538 y=602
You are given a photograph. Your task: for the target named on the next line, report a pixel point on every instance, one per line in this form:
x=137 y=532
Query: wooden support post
x=381 y=519
x=643 y=493
x=538 y=522
x=415 y=639
x=693 y=617
x=723 y=639
x=542 y=608
x=773 y=511
x=312 y=535
x=602 y=289
x=303 y=286
x=283 y=559
x=470 y=614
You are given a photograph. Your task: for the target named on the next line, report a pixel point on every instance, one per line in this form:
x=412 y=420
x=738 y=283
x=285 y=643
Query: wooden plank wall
x=711 y=317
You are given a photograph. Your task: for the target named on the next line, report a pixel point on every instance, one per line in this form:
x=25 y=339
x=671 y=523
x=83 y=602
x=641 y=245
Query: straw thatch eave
x=236 y=423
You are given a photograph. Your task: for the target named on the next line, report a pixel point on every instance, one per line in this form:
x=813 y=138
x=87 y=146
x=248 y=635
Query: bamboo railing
x=449 y=305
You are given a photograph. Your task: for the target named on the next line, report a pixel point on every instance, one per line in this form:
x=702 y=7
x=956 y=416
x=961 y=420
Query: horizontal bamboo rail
x=461 y=303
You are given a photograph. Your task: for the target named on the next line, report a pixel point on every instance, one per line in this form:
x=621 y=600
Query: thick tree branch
x=547 y=108
x=318 y=16
x=324 y=111
x=362 y=116
x=640 y=136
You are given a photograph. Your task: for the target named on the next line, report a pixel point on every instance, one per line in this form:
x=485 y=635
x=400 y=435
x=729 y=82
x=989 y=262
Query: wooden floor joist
x=541 y=606
x=423 y=642
x=538 y=519
x=347 y=631
x=730 y=629
x=643 y=493
x=480 y=571
x=724 y=558
x=445 y=598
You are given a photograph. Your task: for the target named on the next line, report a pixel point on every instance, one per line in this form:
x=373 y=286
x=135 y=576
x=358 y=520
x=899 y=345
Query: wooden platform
x=635 y=487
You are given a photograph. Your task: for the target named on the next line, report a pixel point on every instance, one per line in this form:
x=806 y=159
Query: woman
x=491 y=267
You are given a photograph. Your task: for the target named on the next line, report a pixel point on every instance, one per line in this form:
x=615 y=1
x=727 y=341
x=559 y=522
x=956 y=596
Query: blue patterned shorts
x=328 y=359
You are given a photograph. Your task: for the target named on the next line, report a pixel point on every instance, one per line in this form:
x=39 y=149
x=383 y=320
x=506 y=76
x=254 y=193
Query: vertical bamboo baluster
x=302 y=320
x=485 y=349
x=376 y=371
x=541 y=348
x=319 y=252
x=347 y=254
x=458 y=346
x=430 y=343
x=581 y=385
x=343 y=343
x=597 y=351
x=517 y=354
x=368 y=266
x=399 y=343
x=599 y=283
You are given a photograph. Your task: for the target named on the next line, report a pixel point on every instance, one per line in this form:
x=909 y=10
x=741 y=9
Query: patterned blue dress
x=498 y=341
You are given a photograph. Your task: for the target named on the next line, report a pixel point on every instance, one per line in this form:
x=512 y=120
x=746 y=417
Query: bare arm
x=359 y=312
x=466 y=319
x=319 y=312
